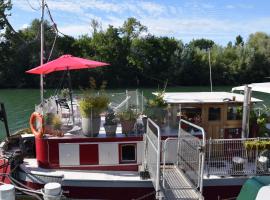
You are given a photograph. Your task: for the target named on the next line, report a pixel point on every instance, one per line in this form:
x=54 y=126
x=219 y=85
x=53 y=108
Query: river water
x=20 y=103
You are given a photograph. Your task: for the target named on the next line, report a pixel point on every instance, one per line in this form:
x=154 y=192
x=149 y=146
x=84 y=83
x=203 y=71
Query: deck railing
x=230 y=157
x=152 y=153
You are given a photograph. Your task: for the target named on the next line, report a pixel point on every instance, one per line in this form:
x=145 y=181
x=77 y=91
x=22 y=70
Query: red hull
x=113 y=193
x=210 y=192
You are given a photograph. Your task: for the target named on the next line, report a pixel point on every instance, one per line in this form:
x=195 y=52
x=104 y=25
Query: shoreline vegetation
x=138 y=59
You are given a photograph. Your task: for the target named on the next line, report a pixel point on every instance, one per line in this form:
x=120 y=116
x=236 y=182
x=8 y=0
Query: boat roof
x=258 y=87
x=204 y=97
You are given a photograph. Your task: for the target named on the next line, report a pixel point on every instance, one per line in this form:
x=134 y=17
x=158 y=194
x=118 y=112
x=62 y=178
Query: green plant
x=94 y=101
x=48 y=118
x=257 y=144
x=158 y=101
x=156 y=108
x=110 y=118
x=93 y=105
x=64 y=93
x=56 y=122
x=128 y=115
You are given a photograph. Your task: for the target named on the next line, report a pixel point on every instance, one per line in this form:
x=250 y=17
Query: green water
x=20 y=103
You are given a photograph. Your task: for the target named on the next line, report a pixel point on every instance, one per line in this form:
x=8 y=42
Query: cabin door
x=215 y=121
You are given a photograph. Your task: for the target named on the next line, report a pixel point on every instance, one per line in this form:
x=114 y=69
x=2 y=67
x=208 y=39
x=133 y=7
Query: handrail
x=157 y=149
x=195 y=126
x=202 y=153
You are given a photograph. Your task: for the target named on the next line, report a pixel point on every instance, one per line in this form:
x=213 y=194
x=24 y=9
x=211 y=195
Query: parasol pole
x=42 y=51
x=70 y=95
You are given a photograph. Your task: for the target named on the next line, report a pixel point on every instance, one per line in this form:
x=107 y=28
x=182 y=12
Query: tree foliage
x=137 y=58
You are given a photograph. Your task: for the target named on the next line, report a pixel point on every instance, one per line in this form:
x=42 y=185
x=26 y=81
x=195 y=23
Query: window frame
x=120 y=146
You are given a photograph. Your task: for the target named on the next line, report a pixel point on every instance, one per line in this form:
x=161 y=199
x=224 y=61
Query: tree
x=132 y=28
x=202 y=44
x=239 y=41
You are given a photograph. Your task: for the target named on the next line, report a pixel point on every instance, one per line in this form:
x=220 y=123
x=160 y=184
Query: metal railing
x=184 y=177
x=230 y=157
x=191 y=154
x=152 y=153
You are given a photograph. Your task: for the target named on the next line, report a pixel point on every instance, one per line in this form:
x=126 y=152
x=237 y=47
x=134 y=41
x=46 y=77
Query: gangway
x=182 y=179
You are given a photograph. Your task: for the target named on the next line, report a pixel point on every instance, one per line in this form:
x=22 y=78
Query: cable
x=54 y=24
x=52 y=48
x=35 y=9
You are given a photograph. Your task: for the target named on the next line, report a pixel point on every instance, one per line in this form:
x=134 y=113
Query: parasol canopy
x=66 y=62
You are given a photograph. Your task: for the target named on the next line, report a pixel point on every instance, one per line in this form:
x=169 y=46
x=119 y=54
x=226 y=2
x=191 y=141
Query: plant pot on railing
x=53 y=125
x=91 y=127
x=127 y=119
x=110 y=124
x=91 y=107
x=156 y=109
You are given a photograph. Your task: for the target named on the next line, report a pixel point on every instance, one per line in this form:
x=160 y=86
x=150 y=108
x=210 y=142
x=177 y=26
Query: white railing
x=230 y=157
x=191 y=152
x=152 y=153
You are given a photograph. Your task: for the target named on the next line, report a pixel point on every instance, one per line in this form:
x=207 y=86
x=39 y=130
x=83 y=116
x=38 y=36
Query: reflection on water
x=20 y=103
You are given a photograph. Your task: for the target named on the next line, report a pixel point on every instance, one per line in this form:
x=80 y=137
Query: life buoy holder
x=37 y=117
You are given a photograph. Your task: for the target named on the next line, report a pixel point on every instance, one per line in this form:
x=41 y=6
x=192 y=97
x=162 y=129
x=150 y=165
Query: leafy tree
x=239 y=41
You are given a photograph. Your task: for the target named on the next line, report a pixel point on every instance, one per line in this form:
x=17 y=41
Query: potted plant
x=48 y=123
x=127 y=120
x=91 y=106
x=156 y=109
x=110 y=124
x=57 y=124
x=53 y=124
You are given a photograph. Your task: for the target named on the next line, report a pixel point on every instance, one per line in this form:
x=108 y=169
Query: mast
x=42 y=50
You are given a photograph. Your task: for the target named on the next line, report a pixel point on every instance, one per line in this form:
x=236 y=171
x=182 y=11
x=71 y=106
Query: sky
x=218 y=20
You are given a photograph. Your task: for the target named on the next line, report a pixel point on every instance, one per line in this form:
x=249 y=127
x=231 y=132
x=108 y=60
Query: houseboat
x=197 y=153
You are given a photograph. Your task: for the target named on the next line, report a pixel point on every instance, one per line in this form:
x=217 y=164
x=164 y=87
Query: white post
x=7 y=192
x=210 y=69
x=127 y=100
x=142 y=102
x=41 y=51
x=137 y=101
x=52 y=191
x=246 y=112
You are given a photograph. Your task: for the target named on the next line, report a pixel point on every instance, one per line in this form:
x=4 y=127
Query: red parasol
x=66 y=62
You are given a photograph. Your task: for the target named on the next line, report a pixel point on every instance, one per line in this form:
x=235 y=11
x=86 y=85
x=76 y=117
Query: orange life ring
x=38 y=132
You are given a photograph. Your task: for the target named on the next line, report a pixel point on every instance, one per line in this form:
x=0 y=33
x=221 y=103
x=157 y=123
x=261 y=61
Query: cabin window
x=234 y=112
x=128 y=153
x=214 y=114
x=192 y=114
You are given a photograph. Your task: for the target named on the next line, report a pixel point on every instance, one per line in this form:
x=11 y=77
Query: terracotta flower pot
x=127 y=126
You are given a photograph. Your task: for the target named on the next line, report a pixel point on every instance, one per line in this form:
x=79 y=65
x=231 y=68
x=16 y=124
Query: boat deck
x=31 y=172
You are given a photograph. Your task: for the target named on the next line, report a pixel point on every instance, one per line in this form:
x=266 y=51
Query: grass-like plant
x=94 y=101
